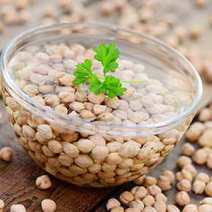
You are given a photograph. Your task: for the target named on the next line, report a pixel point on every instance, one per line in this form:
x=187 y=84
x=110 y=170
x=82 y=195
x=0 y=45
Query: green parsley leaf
x=95 y=84
x=112 y=86
x=109 y=85
x=107 y=54
x=83 y=72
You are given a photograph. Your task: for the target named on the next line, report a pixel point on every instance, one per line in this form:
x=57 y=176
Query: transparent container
x=155 y=140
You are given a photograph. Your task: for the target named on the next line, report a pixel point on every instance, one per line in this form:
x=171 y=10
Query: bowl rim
x=51 y=114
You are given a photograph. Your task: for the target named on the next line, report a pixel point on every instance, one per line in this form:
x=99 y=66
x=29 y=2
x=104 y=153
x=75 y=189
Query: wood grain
x=17 y=182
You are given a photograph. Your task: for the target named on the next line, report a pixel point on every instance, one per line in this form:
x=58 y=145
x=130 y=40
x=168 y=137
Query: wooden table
x=17 y=179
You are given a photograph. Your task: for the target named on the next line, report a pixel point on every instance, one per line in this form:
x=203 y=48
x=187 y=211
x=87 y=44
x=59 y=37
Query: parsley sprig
x=107 y=55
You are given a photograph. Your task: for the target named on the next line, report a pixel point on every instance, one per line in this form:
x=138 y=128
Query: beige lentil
x=190 y=208
x=172 y=208
x=87 y=114
x=184 y=185
x=114 y=147
x=85 y=145
x=99 y=153
x=48 y=205
x=205 y=139
x=195 y=131
x=77 y=106
x=184 y=174
x=164 y=183
x=202 y=177
x=161 y=197
x=17 y=208
x=61 y=109
x=200 y=156
x=170 y=175
x=55 y=146
x=209 y=161
x=149 y=180
x=112 y=203
x=187 y=149
x=190 y=168
x=83 y=161
x=96 y=99
x=206 y=200
x=208 y=189
x=141 y=192
x=129 y=149
x=160 y=206
x=28 y=131
x=6 y=154
x=138 y=181
x=148 y=200
x=2 y=204
x=183 y=161
x=70 y=150
x=182 y=198
x=45 y=131
x=51 y=100
x=43 y=182
x=137 y=204
x=126 y=197
x=205 y=114
x=154 y=190
x=98 y=109
x=65 y=160
x=198 y=187
x=205 y=208
x=113 y=158
x=98 y=140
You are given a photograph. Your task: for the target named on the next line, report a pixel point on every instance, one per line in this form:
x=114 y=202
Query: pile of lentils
x=45 y=73
x=149 y=194
x=90 y=157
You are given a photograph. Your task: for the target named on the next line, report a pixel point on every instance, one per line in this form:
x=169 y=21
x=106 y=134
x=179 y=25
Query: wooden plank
x=17 y=182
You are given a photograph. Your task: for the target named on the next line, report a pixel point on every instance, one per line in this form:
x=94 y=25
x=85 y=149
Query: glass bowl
x=120 y=151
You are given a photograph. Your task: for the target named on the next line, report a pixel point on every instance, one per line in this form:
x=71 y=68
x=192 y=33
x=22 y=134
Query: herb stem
x=127 y=81
x=133 y=81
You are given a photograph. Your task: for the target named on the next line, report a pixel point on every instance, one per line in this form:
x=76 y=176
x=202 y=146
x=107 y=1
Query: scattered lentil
x=43 y=182
x=48 y=205
x=182 y=198
x=17 y=208
x=6 y=154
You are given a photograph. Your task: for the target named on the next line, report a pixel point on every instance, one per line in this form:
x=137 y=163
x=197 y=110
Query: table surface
x=17 y=179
